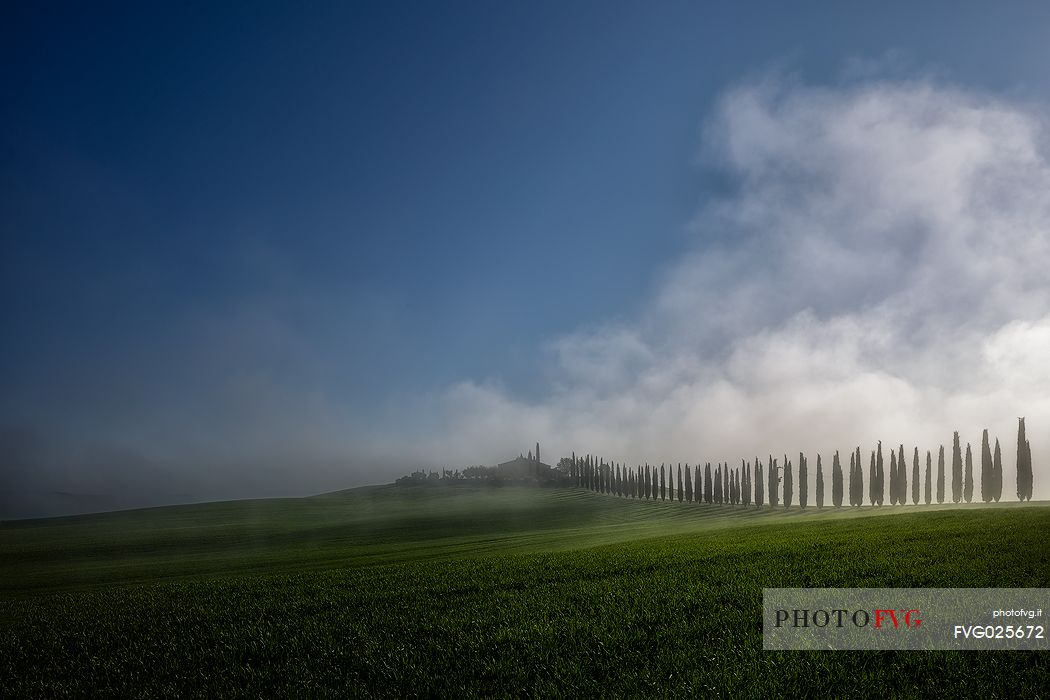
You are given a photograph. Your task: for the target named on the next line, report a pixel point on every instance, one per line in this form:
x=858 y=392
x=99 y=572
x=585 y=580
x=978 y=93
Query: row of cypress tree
x=740 y=486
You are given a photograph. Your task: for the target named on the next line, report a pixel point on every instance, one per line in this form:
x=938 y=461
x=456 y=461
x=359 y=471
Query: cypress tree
x=902 y=477
x=1024 y=464
x=860 y=479
x=725 y=483
x=852 y=479
x=718 y=484
x=773 y=494
x=789 y=487
x=663 y=483
x=986 y=468
x=880 y=488
x=688 y=483
x=968 y=476
x=894 y=489
x=647 y=483
x=820 y=484
x=747 y=484
x=656 y=484
x=929 y=478
x=873 y=477
x=836 y=480
x=997 y=471
x=679 y=494
x=708 y=485
x=915 y=477
x=940 y=475
x=1028 y=470
x=698 y=481
x=760 y=485
x=742 y=483
x=956 y=469
x=803 y=481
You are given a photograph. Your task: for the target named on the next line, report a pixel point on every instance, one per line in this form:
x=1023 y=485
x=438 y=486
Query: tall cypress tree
x=836 y=481
x=743 y=495
x=894 y=486
x=648 y=483
x=773 y=494
x=725 y=483
x=968 y=475
x=688 y=484
x=760 y=486
x=749 y=486
x=880 y=488
x=873 y=477
x=902 y=477
x=803 y=480
x=997 y=470
x=986 y=468
x=708 y=485
x=679 y=494
x=929 y=478
x=789 y=488
x=915 y=477
x=1024 y=464
x=663 y=483
x=957 y=469
x=860 y=478
x=940 y=475
x=698 y=484
x=820 y=484
x=852 y=478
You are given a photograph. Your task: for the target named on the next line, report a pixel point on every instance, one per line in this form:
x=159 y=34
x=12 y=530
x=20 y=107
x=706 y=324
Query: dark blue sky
x=379 y=200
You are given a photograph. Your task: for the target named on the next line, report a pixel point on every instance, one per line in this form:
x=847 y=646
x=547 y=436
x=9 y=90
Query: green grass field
x=474 y=591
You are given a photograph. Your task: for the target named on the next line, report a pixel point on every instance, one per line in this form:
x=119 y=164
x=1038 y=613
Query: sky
x=277 y=250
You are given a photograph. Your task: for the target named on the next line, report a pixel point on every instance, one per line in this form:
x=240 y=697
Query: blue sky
x=218 y=222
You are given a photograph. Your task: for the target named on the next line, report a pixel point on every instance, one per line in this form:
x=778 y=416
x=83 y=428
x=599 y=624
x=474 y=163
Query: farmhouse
x=523 y=467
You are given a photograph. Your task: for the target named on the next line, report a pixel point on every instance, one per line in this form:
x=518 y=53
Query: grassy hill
x=390 y=591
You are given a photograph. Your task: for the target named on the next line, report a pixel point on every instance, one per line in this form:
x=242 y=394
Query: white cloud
x=880 y=272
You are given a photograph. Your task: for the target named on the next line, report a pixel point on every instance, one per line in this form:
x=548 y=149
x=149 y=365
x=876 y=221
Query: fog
x=878 y=272
x=875 y=270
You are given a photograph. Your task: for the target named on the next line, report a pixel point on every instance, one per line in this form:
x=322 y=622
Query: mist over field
x=879 y=274
x=873 y=267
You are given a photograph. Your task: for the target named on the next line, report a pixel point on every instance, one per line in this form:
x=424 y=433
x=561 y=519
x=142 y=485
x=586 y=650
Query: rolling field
x=472 y=591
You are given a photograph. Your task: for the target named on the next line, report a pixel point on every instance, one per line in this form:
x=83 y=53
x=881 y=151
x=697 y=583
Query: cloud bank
x=877 y=269
x=880 y=270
